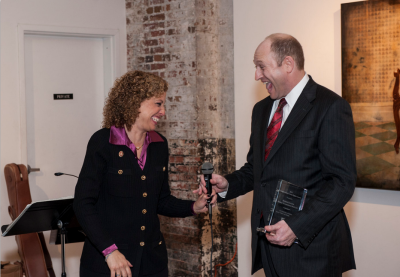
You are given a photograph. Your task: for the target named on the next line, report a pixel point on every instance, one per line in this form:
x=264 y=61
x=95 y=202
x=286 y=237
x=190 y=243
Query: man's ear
x=289 y=64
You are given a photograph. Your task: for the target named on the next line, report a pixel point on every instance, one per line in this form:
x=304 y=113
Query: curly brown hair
x=123 y=102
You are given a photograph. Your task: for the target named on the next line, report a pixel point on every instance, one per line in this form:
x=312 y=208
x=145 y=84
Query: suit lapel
x=299 y=111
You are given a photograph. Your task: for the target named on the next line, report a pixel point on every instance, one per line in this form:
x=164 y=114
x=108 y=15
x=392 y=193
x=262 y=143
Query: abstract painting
x=370 y=83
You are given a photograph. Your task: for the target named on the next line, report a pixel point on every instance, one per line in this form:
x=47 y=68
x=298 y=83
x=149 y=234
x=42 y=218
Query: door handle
x=30 y=169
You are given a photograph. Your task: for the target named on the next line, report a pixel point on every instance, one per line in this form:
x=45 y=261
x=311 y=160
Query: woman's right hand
x=118 y=265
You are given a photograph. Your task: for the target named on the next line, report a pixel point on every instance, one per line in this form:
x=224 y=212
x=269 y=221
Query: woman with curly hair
x=123 y=184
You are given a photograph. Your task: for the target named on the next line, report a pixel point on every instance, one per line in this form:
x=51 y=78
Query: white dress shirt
x=291 y=99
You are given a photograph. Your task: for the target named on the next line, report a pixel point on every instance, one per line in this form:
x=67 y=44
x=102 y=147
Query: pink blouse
x=118 y=136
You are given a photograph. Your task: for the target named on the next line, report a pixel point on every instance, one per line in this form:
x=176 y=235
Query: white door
x=105 y=20
x=57 y=131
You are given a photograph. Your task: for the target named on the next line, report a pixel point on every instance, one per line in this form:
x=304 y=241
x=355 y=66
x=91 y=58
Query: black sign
x=66 y=96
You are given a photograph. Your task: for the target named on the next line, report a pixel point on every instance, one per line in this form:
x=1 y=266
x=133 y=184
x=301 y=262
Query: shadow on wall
x=73 y=251
x=244 y=204
x=37 y=193
x=376 y=196
x=337 y=53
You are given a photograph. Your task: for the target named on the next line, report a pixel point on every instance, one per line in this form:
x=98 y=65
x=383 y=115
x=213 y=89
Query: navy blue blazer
x=116 y=202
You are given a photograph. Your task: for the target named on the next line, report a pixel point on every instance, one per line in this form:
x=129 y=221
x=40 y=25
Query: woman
x=123 y=184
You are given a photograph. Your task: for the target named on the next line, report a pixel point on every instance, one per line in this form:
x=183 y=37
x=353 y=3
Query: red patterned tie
x=274 y=127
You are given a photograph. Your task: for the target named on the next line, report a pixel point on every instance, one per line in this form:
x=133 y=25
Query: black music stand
x=56 y=215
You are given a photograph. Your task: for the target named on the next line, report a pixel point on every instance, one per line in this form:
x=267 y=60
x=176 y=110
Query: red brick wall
x=190 y=44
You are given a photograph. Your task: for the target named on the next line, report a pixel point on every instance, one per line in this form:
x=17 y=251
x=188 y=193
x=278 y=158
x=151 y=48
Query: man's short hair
x=285 y=45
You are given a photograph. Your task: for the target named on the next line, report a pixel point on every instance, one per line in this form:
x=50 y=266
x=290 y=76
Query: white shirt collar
x=291 y=99
x=294 y=94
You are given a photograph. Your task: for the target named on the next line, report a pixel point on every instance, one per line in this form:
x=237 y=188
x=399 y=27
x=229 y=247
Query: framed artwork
x=370 y=83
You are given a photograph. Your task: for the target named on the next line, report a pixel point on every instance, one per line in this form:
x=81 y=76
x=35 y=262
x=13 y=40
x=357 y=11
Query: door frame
x=110 y=58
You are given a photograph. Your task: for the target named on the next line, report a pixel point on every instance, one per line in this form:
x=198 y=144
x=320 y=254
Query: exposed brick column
x=190 y=44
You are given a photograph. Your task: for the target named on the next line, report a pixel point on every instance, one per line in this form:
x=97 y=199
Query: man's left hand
x=280 y=234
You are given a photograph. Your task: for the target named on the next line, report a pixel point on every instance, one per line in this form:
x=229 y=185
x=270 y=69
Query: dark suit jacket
x=113 y=205
x=315 y=149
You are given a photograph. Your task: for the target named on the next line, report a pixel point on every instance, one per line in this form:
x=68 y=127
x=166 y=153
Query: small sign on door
x=65 y=96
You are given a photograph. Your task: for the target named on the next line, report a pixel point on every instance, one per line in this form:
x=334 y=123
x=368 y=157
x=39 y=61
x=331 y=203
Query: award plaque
x=288 y=200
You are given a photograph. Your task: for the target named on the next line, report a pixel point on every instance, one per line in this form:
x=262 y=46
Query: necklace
x=138 y=148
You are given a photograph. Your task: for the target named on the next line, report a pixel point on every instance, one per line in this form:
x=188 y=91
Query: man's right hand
x=218 y=182
x=119 y=266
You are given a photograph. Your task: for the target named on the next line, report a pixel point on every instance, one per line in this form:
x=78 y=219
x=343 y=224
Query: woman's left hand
x=201 y=205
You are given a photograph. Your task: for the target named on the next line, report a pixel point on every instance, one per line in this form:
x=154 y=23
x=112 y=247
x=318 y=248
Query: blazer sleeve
x=336 y=145
x=242 y=181
x=169 y=205
x=87 y=193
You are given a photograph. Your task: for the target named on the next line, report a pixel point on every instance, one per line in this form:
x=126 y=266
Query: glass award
x=288 y=199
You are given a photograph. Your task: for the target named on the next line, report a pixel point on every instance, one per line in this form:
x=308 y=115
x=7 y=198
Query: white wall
x=93 y=14
x=373 y=214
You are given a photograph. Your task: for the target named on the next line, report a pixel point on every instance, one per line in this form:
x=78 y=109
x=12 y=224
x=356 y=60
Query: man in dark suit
x=302 y=133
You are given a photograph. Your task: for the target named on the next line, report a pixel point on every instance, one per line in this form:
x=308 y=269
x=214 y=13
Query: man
x=302 y=133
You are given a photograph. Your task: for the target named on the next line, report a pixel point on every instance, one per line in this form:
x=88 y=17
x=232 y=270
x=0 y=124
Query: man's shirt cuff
x=223 y=194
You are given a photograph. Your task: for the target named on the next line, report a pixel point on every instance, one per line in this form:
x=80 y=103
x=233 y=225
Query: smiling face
x=267 y=71
x=150 y=112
